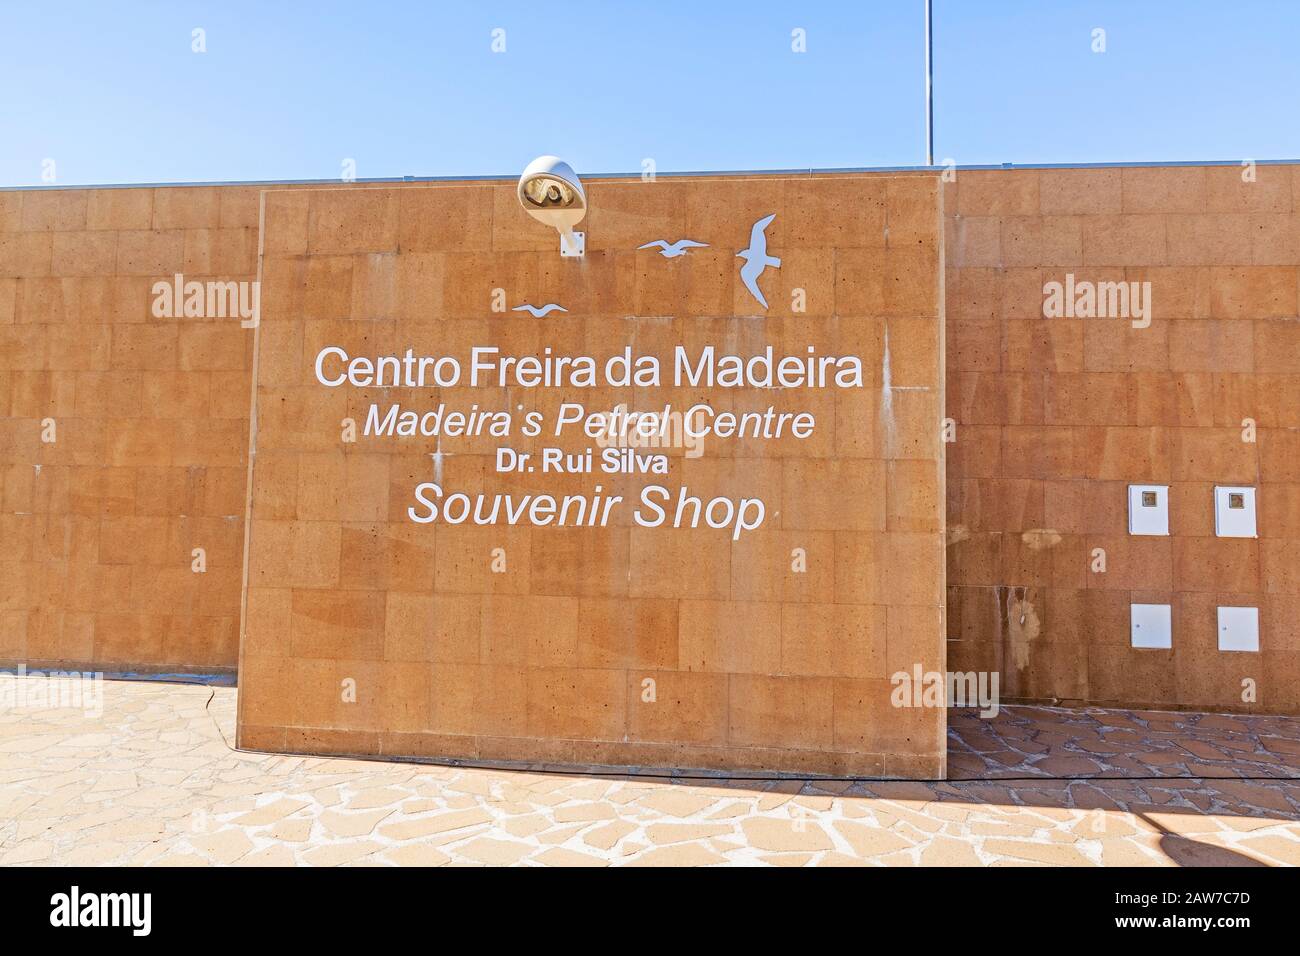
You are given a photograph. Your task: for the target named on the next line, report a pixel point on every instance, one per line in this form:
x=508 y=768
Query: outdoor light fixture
x=550 y=192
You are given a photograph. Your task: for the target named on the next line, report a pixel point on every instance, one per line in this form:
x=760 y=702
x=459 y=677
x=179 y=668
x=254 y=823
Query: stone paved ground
x=154 y=782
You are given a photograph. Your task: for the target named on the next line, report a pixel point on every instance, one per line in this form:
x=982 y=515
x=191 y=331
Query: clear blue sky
x=113 y=93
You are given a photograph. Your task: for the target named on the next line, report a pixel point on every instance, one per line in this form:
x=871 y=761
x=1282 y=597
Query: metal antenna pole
x=929 y=82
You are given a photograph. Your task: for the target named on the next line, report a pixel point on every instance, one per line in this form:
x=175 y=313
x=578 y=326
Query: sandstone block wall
x=123 y=436
x=754 y=664
x=1056 y=416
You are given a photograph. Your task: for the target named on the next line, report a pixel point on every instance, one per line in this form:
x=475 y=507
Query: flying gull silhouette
x=539 y=313
x=678 y=248
x=757 y=259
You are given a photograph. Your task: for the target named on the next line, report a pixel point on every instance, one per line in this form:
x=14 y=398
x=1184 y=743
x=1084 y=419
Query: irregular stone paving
x=1056 y=742
x=153 y=782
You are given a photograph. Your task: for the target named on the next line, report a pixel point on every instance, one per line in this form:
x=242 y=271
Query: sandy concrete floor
x=153 y=781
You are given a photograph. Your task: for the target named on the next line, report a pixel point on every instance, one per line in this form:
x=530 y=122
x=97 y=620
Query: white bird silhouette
x=757 y=259
x=539 y=313
x=678 y=248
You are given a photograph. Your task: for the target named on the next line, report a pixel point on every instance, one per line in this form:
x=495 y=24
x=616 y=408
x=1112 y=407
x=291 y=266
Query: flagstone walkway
x=153 y=781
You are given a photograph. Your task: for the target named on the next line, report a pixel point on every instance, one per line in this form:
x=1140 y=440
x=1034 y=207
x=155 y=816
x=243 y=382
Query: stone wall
x=123 y=436
x=1057 y=416
x=367 y=632
x=124 y=442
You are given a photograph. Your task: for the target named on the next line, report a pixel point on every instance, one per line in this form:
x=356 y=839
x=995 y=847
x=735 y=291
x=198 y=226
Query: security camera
x=550 y=192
